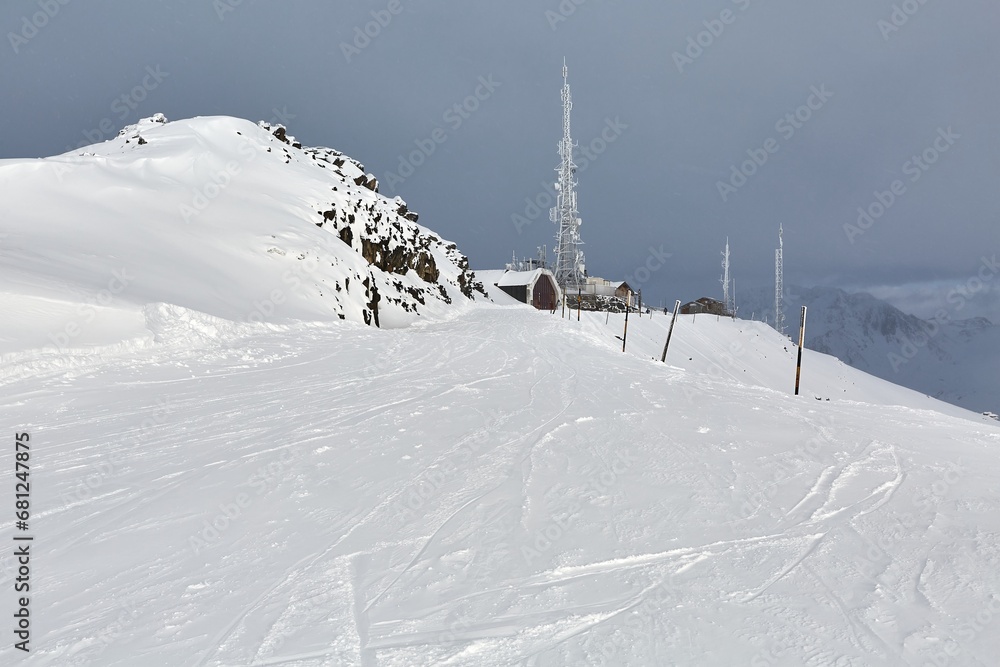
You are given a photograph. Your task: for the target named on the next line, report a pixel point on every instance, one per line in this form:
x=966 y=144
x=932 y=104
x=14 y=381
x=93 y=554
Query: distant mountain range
x=957 y=361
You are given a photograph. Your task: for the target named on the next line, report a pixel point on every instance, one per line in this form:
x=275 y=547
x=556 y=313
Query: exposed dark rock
x=426 y=268
x=399 y=259
x=367 y=181
x=371 y=291
x=388 y=239
x=347 y=236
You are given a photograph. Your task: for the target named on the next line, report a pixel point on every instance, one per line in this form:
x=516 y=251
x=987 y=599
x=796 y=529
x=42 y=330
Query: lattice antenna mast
x=779 y=285
x=569 y=269
x=725 y=280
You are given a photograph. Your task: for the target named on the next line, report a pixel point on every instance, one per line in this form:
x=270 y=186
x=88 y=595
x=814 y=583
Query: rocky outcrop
x=386 y=234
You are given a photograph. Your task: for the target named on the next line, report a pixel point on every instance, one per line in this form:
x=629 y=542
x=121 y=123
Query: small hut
x=705 y=305
x=537 y=288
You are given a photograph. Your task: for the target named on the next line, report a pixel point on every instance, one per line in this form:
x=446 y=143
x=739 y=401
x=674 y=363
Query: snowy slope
x=224 y=472
x=957 y=361
x=217 y=215
x=752 y=353
x=502 y=488
x=489 y=279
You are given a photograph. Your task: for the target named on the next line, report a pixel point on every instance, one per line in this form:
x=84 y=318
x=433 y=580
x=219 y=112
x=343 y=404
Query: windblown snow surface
x=490 y=485
x=498 y=488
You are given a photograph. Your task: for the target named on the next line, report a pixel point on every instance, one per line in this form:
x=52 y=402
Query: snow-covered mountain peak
x=227 y=217
x=134 y=131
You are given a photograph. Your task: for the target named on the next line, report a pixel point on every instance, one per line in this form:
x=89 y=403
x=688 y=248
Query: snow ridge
x=219 y=215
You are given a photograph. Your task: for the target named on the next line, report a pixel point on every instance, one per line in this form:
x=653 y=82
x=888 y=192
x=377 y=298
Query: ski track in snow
x=505 y=488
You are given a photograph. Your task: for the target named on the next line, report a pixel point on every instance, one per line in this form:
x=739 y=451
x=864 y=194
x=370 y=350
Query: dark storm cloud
x=729 y=117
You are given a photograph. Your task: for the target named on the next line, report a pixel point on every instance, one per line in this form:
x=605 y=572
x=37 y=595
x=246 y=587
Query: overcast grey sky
x=688 y=91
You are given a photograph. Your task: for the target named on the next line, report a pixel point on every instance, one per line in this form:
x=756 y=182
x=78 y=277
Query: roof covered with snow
x=517 y=278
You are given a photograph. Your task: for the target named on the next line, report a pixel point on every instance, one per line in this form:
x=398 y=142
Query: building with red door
x=537 y=288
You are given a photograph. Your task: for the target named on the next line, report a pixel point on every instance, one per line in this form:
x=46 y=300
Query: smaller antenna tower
x=725 y=280
x=779 y=284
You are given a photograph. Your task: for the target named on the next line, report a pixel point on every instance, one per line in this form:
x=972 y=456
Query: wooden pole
x=670 y=332
x=802 y=340
x=640 y=303
x=607 y=318
x=579 y=302
x=563 y=299
x=625 y=333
